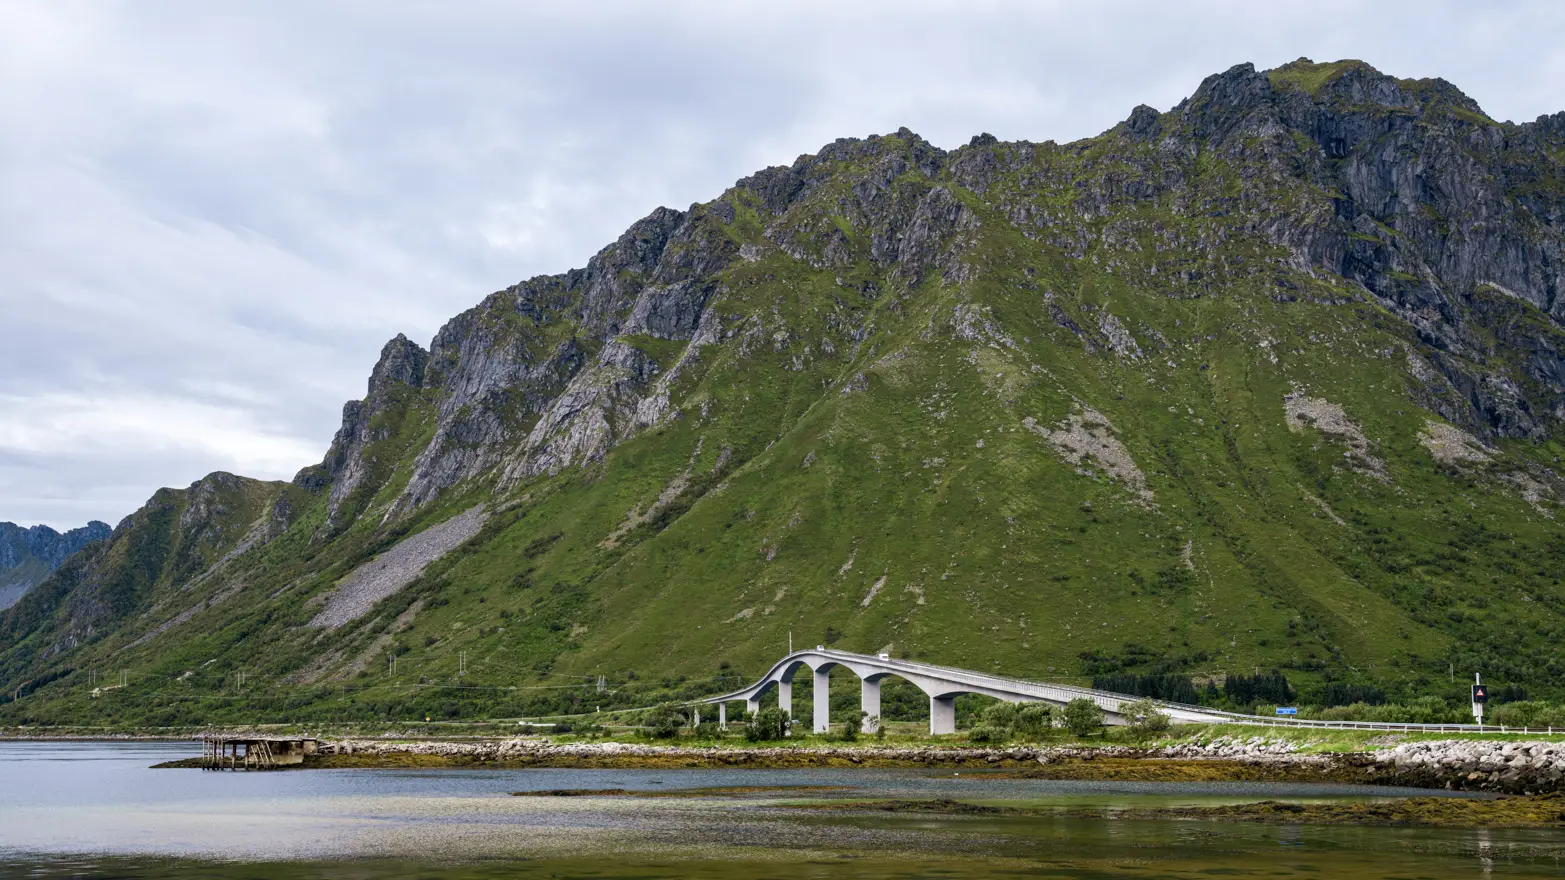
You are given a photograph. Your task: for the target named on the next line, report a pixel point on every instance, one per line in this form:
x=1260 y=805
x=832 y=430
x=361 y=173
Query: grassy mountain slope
x=1269 y=380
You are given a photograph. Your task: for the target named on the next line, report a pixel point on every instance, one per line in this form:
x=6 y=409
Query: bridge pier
x=785 y=698
x=752 y=706
x=722 y=716
x=822 y=700
x=869 y=701
x=942 y=715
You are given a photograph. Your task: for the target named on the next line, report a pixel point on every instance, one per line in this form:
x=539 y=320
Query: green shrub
x=1036 y=721
x=1423 y=710
x=987 y=733
x=1527 y=713
x=851 y=726
x=767 y=725
x=664 y=721
x=1143 y=719
x=1083 y=717
x=1001 y=716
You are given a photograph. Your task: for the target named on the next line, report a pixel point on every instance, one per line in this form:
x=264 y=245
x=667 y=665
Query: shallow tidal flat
x=97 y=810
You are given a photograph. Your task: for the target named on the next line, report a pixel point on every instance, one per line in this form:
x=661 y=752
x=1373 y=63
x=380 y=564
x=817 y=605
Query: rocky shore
x=531 y=750
x=1459 y=765
x=1511 y=767
x=1508 y=767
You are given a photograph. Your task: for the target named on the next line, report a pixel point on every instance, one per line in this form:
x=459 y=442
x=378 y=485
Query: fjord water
x=97 y=810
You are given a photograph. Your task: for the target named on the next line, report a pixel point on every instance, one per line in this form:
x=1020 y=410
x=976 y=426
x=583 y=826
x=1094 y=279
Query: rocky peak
x=1550 y=126
x=1226 y=101
x=779 y=188
x=43 y=545
x=401 y=369
x=1144 y=123
x=1356 y=84
x=615 y=274
x=401 y=362
x=204 y=498
x=926 y=157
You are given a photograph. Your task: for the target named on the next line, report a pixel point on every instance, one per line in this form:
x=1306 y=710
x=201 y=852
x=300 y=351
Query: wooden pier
x=245 y=752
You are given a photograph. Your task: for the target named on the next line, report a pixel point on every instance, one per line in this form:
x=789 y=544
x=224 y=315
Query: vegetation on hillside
x=1204 y=399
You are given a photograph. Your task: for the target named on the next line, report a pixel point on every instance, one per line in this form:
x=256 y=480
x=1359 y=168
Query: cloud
x=213 y=215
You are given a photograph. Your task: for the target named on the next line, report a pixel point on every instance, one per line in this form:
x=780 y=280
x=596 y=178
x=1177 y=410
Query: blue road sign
x=1287 y=710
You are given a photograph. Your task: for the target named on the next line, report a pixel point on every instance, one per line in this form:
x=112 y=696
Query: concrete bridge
x=941 y=683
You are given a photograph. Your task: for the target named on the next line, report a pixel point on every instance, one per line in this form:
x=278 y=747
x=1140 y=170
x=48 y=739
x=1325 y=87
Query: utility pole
x=790 y=641
x=462 y=664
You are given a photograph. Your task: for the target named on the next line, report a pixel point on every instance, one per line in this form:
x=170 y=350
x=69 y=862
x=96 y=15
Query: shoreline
x=1501 y=784
x=1454 y=765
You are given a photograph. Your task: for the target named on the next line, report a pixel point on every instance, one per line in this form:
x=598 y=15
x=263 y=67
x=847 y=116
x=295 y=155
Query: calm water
x=96 y=810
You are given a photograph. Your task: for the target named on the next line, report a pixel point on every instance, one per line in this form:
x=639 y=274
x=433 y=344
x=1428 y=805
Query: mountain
x=1270 y=380
x=30 y=555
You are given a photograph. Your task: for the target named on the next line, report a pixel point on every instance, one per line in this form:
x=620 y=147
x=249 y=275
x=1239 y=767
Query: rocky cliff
x=30 y=555
x=1272 y=378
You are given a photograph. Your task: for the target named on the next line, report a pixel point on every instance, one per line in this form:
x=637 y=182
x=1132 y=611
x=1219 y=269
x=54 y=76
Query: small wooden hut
x=225 y=751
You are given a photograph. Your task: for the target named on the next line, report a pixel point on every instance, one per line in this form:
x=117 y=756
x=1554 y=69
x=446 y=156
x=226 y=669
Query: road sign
x=1287 y=710
x=1480 y=694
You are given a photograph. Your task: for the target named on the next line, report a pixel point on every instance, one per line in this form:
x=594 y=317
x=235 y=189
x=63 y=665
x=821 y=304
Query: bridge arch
x=871 y=672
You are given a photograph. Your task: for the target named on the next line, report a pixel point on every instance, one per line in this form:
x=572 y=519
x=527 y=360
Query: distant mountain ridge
x=29 y=555
x=1272 y=379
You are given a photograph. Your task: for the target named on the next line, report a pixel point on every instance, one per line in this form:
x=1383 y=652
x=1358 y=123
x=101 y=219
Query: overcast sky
x=213 y=214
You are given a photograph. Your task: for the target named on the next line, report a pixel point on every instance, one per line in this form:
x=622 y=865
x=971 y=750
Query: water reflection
x=60 y=801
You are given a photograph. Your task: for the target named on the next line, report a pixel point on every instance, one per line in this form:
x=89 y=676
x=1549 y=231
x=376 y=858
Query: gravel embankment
x=396 y=568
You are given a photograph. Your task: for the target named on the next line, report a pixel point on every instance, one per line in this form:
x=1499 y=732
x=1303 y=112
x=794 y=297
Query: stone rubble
x=1514 y=767
x=1517 y=768
x=394 y=569
x=1253 y=749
